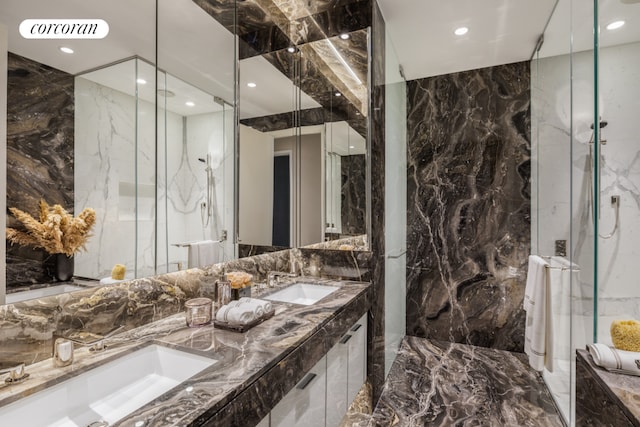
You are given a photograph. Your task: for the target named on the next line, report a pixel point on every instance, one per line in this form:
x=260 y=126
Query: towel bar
x=187 y=244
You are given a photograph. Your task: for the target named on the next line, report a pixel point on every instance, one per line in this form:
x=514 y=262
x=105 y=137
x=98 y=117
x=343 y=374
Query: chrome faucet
x=274 y=277
x=63 y=346
x=16 y=374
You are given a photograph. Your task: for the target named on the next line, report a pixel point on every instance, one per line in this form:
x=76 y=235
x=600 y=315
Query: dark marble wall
x=375 y=362
x=40 y=125
x=354 y=194
x=468 y=200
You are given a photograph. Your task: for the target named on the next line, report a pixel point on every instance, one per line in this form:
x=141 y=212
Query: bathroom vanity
x=211 y=376
x=603 y=397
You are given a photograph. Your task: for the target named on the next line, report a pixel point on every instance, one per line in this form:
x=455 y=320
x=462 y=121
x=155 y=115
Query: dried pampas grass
x=56 y=232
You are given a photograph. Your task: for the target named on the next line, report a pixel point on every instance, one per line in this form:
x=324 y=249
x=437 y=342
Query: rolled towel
x=118 y=271
x=266 y=305
x=257 y=309
x=625 y=334
x=615 y=360
x=235 y=315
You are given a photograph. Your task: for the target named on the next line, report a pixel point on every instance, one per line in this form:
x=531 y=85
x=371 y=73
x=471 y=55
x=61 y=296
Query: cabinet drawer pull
x=306 y=380
x=345 y=339
x=356 y=327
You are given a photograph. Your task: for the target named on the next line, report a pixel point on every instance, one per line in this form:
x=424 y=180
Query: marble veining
x=40 y=160
x=617 y=395
x=339 y=264
x=253 y=370
x=468 y=218
x=439 y=383
x=354 y=202
x=376 y=332
x=266 y=25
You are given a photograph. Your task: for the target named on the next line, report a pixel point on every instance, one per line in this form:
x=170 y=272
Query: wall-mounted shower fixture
x=206 y=207
x=615 y=203
x=615 y=200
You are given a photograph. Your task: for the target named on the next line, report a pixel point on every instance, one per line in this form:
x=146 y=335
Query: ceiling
x=197 y=49
x=500 y=31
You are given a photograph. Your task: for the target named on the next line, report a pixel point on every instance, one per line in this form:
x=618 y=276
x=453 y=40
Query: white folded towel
x=266 y=305
x=538 y=335
x=235 y=315
x=612 y=359
x=202 y=254
x=257 y=309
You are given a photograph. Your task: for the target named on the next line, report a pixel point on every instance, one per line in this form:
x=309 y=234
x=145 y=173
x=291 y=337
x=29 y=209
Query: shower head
x=202 y=160
x=603 y=124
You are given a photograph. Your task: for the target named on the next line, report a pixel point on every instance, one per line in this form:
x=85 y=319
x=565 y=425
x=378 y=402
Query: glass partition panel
x=616 y=164
x=195 y=95
x=395 y=294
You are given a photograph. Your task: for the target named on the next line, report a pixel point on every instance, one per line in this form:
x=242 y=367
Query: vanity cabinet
x=304 y=406
x=337 y=381
x=323 y=396
x=357 y=358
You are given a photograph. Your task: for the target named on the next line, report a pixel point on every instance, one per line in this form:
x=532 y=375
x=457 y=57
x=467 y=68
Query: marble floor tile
x=434 y=383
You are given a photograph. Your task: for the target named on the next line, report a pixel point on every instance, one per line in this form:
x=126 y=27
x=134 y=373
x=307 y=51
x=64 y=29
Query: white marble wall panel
x=205 y=135
x=104 y=153
x=106 y=177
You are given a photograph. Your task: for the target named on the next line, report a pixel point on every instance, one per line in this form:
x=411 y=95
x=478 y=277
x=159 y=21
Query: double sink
x=105 y=394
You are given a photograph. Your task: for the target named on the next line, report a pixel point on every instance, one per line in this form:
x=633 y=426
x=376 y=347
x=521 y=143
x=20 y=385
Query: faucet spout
x=274 y=277
x=16 y=374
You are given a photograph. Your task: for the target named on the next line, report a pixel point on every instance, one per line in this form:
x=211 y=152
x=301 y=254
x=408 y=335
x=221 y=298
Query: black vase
x=64 y=267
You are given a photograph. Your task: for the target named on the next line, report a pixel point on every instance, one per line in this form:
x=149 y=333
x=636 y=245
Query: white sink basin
x=108 y=392
x=302 y=293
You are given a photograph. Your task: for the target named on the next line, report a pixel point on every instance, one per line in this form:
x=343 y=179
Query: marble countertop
x=624 y=389
x=242 y=358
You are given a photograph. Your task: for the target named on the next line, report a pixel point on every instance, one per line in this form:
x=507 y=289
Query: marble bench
x=435 y=383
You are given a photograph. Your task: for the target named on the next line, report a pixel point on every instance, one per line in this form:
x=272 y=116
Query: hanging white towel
x=538 y=335
x=612 y=359
x=203 y=253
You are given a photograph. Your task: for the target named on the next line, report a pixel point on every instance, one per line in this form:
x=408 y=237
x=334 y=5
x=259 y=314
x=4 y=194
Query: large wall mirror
x=303 y=129
x=138 y=126
x=141 y=127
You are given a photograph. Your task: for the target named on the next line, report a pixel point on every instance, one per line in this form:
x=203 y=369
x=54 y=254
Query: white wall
x=311 y=185
x=311 y=226
x=256 y=187
x=3 y=157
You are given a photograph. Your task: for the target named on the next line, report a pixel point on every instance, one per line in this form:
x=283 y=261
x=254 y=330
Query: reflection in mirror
x=313 y=143
x=124 y=138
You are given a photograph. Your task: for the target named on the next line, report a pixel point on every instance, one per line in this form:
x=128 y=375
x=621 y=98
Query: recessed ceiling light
x=461 y=31
x=344 y=36
x=251 y=84
x=615 y=25
x=66 y=49
x=351 y=147
x=190 y=104
x=291 y=49
x=338 y=94
x=141 y=81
